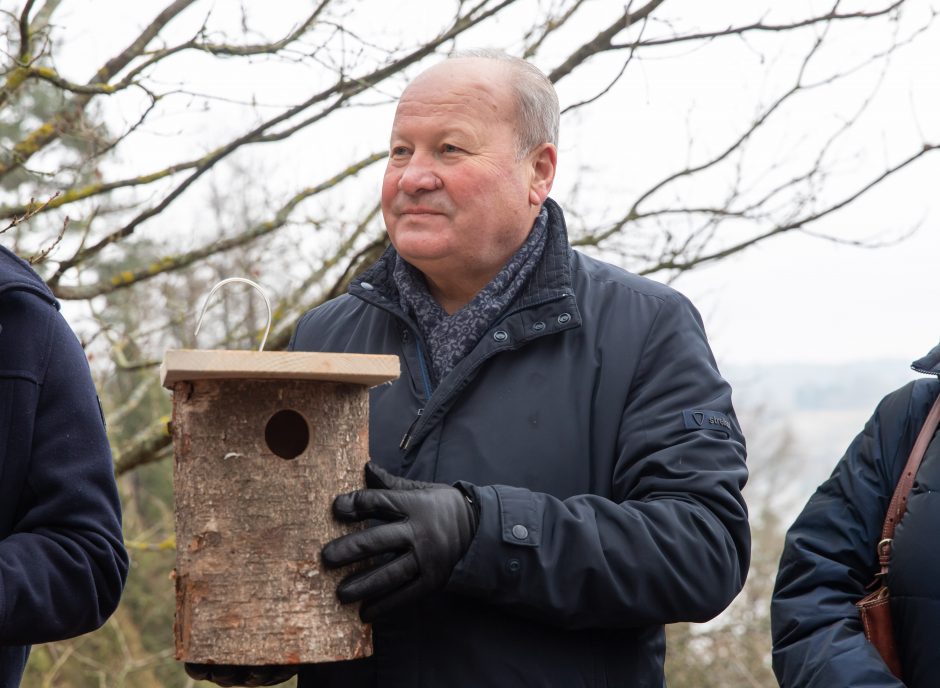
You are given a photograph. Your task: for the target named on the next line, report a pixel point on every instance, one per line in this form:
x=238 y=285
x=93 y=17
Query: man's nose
x=419 y=175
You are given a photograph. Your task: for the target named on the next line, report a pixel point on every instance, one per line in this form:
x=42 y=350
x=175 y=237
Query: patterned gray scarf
x=451 y=337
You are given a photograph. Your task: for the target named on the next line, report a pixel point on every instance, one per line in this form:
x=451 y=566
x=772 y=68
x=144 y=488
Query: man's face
x=456 y=202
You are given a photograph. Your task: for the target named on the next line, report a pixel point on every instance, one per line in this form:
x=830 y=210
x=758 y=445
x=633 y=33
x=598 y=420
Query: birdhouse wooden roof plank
x=210 y=364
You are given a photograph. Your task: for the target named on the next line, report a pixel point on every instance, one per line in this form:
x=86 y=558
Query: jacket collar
x=929 y=364
x=17 y=275
x=550 y=279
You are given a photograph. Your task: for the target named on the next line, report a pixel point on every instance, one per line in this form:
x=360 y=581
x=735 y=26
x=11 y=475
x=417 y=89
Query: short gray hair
x=536 y=101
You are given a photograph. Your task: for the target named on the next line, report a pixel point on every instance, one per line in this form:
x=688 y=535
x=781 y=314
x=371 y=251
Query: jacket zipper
x=406 y=438
x=422 y=364
x=425 y=378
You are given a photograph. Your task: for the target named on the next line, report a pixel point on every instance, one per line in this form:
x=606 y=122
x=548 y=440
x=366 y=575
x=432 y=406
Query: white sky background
x=793 y=298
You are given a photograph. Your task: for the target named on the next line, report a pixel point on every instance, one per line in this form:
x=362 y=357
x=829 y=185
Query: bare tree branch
x=172 y=263
x=227 y=49
x=42 y=254
x=342 y=91
x=797 y=224
x=244 y=50
x=25 y=47
x=632 y=213
x=31 y=209
x=602 y=41
x=145 y=449
x=550 y=26
x=132 y=402
x=63 y=120
x=117 y=63
x=293 y=307
x=610 y=85
x=829 y=17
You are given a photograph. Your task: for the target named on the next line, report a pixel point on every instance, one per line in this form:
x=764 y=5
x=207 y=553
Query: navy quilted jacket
x=830 y=556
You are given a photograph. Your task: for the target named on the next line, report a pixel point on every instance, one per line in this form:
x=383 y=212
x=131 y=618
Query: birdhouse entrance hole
x=287 y=434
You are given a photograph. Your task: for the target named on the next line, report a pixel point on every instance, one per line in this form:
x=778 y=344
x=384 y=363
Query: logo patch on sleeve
x=703 y=419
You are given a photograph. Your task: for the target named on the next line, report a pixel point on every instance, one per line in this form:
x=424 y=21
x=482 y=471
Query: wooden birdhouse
x=263 y=441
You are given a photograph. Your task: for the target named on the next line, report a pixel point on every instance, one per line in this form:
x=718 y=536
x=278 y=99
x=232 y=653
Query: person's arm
x=673 y=546
x=62 y=570
x=829 y=559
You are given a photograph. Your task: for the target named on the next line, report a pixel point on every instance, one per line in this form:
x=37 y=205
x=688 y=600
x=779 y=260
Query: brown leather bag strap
x=898 y=504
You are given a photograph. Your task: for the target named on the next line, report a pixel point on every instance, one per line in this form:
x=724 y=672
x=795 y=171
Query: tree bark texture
x=250 y=522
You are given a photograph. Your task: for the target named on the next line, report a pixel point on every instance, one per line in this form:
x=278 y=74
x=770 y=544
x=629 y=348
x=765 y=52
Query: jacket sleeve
x=63 y=567
x=672 y=545
x=829 y=557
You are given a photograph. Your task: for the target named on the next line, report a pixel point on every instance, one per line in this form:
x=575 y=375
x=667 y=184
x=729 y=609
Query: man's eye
x=398 y=151
x=450 y=148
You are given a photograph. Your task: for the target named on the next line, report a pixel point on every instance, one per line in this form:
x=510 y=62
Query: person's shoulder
x=341 y=306
x=897 y=420
x=323 y=318
x=593 y=272
x=910 y=403
x=22 y=291
x=29 y=323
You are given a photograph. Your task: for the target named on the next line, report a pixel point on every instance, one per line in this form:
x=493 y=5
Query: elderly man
x=557 y=473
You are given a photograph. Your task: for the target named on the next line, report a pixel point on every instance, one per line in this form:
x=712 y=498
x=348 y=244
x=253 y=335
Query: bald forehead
x=490 y=80
x=494 y=72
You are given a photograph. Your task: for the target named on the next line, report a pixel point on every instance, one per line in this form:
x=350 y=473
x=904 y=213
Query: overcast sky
x=794 y=298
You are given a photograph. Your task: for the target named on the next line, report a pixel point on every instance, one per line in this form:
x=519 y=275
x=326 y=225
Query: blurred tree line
x=224 y=139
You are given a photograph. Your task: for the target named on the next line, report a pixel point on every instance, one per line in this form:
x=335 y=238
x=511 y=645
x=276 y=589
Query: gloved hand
x=225 y=675
x=427 y=529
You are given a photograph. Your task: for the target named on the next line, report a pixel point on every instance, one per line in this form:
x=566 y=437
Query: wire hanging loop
x=214 y=289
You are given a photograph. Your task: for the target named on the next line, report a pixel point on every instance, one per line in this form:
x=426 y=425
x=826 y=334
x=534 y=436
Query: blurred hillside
x=822 y=407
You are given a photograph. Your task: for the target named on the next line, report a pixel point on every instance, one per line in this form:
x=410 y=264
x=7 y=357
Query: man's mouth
x=420 y=210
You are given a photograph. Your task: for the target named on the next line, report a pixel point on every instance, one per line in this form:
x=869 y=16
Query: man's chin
x=422 y=252
x=421 y=259
x=422 y=240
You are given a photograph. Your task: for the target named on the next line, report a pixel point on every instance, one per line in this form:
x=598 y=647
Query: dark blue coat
x=62 y=557
x=607 y=462
x=830 y=557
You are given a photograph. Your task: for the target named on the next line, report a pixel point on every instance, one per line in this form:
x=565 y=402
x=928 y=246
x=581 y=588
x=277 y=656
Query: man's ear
x=542 y=160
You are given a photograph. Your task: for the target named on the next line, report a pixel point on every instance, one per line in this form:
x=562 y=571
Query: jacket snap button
x=520 y=532
x=500 y=335
x=366 y=286
x=538 y=326
x=513 y=565
x=564 y=317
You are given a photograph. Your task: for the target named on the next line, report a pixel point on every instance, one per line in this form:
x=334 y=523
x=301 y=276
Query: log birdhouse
x=263 y=442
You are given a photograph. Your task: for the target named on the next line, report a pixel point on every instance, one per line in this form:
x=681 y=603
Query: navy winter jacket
x=607 y=460
x=830 y=557
x=62 y=557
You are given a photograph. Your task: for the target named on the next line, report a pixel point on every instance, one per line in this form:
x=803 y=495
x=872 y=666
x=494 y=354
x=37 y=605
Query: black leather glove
x=426 y=528
x=225 y=675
